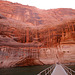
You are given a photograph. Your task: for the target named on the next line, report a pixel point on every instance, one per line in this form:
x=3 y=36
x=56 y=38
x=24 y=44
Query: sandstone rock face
x=19 y=17
x=20 y=24
x=69 y=53
x=35 y=16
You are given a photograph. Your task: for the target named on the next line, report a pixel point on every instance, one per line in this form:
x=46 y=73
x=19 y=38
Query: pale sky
x=47 y=4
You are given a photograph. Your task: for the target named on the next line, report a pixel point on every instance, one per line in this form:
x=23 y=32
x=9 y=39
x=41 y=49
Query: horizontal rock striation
x=31 y=36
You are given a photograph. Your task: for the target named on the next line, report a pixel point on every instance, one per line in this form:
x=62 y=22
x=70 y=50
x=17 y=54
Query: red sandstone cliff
x=18 y=17
x=34 y=16
x=21 y=21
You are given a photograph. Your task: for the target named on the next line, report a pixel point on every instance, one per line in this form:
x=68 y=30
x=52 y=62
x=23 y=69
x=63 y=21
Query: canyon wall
x=20 y=24
x=34 y=16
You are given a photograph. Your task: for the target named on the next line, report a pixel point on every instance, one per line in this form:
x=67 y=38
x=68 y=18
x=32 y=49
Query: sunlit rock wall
x=10 y=55
x=23 y=23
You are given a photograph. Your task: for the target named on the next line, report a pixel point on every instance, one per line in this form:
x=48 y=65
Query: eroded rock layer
x=31 y=36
